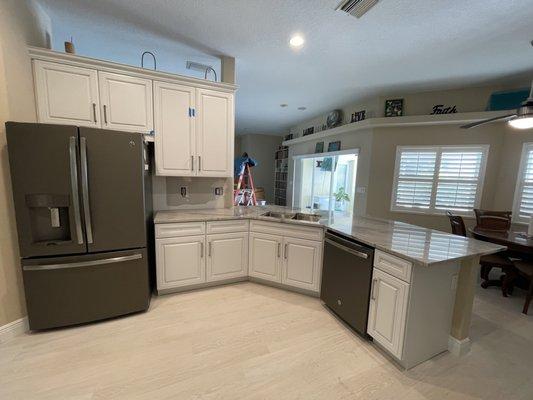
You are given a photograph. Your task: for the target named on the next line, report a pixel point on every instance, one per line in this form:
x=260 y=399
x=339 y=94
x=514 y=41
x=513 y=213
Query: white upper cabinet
x=126 y=102
x=174 y=140
x=302 y=261
x=214 y=115
x=66 y=94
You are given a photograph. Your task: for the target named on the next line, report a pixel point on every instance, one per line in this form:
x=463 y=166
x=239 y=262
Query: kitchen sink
x=279 y=215
x=307 y=217
x=295 y=216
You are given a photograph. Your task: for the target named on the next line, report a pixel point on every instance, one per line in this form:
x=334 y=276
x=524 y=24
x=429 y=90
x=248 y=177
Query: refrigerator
x=83 y=209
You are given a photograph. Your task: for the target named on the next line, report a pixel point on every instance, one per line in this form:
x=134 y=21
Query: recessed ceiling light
x=302 y=108
x=297 y=41
x=283 y=105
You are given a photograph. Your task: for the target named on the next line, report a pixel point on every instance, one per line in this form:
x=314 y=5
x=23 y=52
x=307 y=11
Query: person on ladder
x=244 y=193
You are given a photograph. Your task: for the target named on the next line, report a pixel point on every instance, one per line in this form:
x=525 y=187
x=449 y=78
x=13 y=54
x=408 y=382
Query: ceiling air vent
x=357 y=8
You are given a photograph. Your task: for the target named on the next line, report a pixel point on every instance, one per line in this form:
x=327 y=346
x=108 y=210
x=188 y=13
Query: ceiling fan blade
x=486 y=121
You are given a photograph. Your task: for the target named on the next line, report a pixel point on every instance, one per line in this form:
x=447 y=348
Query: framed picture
x=334 y=146
x=309 y=131
x=394 y=108
x=319 y=147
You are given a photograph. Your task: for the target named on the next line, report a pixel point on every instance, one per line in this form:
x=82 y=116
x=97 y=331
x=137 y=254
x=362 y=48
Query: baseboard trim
x=13 y=329
x=459 y=347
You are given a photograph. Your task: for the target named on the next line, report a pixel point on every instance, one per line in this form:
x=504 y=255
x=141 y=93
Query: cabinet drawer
x=285 y=229
x=179 y=229
x=393 y=265
x=234 y=225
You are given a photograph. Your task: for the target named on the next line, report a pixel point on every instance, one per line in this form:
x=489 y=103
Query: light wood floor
x=248 y=341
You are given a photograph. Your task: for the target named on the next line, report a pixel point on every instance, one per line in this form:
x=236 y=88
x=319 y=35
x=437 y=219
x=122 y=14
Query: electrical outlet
x=219 y=191
x=455 y=280
x=184 y=191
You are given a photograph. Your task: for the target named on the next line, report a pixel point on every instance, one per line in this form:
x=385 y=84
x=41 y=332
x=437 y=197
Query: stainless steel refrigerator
x=83 y=210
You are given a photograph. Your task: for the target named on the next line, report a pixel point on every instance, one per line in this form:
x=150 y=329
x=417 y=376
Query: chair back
x=493 y=220
x=457 y=223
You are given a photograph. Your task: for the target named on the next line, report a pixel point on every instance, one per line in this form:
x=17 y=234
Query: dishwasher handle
x=349 y=244
x=356 y=253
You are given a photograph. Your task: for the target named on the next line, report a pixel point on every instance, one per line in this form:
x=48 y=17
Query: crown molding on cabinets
x=38 y=53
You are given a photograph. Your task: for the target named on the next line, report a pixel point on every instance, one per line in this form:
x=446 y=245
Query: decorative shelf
x=395 y=122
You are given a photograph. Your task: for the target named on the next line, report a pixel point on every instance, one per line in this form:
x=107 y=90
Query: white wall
x=378 y=151
x=22 y=23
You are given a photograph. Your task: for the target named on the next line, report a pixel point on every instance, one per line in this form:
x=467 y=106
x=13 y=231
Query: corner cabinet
x=194 y=131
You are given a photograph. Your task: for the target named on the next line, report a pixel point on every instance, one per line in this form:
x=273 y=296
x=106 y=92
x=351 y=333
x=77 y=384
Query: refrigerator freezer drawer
x=73 y=290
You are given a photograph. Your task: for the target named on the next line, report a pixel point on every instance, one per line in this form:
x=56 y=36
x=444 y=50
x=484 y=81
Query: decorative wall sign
x=309 y=131
x=440 y=109
x=394 y=108
x=334 y=146
x=358 y=116
x=334 y=119
x=319 y=147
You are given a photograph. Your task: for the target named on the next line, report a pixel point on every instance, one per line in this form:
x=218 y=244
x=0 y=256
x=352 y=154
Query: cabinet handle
x=209 y=249
x=199 y=163
x=105 y=114
x=94 y=112
x=190 y=112
x=202 y=249
x=194 y=112
x=373 y=290
x=192 y=163
x=279 y=250
x=286 y=251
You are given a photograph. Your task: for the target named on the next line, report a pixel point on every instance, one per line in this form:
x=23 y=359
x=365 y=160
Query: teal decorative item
x=507 y=100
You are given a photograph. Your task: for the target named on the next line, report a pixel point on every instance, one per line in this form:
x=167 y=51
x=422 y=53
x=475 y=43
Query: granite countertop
x=420 y=245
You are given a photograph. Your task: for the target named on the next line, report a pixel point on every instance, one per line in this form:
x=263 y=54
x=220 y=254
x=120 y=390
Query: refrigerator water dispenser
x=49 y=218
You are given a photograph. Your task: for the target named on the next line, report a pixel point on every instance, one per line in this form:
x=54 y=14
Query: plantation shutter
x=415 y=178
x=525 y=192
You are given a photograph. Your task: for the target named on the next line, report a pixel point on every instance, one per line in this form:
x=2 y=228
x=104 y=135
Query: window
x=523 y=202
x=436 y=179
x=326 y=182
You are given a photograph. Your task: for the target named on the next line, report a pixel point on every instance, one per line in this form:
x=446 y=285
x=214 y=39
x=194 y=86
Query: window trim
x=520 y=184
x=439 y=150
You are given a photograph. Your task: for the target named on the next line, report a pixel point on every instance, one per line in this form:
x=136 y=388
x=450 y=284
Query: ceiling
x=397 y=46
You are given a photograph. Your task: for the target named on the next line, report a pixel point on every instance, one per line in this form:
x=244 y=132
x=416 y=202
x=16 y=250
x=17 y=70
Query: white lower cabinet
x=227 y=256
x=265 y=256
x=388 y=311
x=302 y=260
x=180 y=261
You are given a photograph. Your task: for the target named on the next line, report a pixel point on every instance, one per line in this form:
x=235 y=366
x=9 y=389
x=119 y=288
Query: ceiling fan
x=521 y=119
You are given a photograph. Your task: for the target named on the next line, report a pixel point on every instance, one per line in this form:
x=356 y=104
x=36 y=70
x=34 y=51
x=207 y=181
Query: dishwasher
x=346 y=279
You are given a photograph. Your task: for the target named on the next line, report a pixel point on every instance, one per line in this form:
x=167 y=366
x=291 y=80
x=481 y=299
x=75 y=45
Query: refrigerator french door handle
x=80 y=264
x=74 y=187
x=85 y=190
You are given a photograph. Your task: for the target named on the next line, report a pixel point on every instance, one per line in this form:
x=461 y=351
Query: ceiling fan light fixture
x=522 y=122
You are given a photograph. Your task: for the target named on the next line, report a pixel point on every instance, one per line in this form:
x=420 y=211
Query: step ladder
x=244 y=193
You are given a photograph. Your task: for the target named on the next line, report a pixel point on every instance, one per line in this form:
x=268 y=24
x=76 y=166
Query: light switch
x=54 y=217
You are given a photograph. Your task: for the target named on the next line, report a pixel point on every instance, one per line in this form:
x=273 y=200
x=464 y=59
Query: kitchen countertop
x=422 y=246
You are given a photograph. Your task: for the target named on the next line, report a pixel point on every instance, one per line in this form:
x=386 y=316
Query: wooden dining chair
x=493 y=220
x=524 y=269
x=487 y=262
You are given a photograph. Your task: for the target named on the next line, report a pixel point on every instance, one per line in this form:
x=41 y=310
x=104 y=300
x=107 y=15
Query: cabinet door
x=174 y=129
x=214 y=114
x=66 y=94
x=126 y=102
x=227 y=256
x=265 y=256
x=388 y=311
x=180 y=261
x=302 y=263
